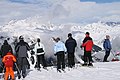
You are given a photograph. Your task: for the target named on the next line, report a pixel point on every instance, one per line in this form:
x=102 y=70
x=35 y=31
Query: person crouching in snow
x=8 y=61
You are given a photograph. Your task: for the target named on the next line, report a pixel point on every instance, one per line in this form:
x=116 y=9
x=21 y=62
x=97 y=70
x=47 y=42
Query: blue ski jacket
x=107 y=45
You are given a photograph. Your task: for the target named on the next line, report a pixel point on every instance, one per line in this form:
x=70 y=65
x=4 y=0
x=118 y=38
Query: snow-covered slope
x=102 y=71
x=32 y=28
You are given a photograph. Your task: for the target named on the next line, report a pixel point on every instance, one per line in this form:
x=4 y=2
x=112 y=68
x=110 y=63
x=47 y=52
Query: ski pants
x=9 y=71
x=22 y=65
x=41 y=59
x=107 y=53
x=60 y=60
x=87 y=57
x=71 y=61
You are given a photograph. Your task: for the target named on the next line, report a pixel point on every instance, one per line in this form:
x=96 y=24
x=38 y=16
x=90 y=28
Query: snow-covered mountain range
x=32 y=28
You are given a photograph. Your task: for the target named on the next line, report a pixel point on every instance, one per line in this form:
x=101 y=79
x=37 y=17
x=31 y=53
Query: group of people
x=60 y=49
x=20 y=58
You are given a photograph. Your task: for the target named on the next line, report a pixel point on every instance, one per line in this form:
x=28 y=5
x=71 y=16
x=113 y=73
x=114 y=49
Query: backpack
x=8 y=61
x=22 y=51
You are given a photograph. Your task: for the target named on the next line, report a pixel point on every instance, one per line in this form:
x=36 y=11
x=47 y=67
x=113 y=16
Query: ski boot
x=85 y=64
x=90 y=64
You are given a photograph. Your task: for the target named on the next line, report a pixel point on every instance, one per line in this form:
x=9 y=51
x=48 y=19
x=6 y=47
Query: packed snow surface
x=100 y=71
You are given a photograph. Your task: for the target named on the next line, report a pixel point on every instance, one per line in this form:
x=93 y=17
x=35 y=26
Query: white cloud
x=59 y=11
x=111 y=18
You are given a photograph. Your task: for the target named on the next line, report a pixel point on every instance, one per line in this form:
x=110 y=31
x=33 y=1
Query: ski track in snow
x=101 y=71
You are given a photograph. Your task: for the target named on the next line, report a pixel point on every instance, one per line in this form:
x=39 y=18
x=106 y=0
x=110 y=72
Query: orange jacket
x=9 y=55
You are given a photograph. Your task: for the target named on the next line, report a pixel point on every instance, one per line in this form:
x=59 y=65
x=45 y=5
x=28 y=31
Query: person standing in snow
x=21 y=53
x=9 y=60
x=70 y=45
x=59 y=51
x=39 y=50
x=87 y=44
x=107 y=47
x=5 y=48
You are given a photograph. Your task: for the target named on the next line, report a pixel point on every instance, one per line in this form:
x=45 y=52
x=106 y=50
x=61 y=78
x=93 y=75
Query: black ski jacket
x=70 y=45
x=5 y=48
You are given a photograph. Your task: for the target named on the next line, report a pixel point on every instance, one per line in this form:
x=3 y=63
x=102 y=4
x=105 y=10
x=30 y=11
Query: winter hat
x=69 y=35
x=57 y=39
x=9 y=53
x=21 y=38
x=5 y=42
x=38 y=39
x=87 y=33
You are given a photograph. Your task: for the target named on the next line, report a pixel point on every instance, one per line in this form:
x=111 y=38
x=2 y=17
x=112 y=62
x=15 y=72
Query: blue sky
x=101 y=1
x=35 y=1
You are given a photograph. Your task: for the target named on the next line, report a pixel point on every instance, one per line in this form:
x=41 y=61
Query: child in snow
x=8 y=61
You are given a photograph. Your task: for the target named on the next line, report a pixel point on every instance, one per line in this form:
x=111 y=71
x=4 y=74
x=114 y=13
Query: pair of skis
x=61 y=70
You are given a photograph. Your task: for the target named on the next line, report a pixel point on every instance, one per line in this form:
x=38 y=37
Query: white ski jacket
x=37 y=47
x=59 y=46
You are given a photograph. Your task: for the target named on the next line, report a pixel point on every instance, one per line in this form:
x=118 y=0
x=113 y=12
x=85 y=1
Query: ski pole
x=1 y=66
x=113 y=54
x=3 y=73
x=52 y=64
x=17 y=68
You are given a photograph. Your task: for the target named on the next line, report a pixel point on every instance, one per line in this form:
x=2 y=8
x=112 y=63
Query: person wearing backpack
x=39 y=50
x=9 y=61
x=5 y=48
x=21 y=53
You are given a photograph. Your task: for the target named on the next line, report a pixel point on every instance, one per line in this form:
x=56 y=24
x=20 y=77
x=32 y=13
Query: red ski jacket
x=88 y=45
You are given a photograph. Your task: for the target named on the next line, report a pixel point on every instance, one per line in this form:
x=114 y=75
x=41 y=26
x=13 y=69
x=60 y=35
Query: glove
x=81 y=46
x=32 y=52
x=15 y=63
x=107 y=49
x=55 y=54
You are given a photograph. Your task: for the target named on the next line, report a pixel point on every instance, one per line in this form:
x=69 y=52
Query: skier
x=21 y=52
x=39 y=50
x=87 y=44
x=107 y=47
x=5 y=48
x=70 y=45
x=60 y=50
x=8 y=61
